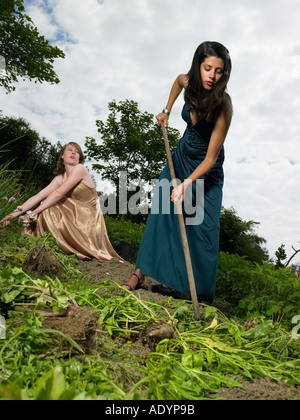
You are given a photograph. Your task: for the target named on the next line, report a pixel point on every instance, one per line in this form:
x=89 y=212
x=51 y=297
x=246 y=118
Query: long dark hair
x=196 y=97
x=60 y=167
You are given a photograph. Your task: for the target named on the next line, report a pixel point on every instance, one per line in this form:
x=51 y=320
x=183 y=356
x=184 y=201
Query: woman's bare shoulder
x=183 y=80
x=86 y=175
x=58 y=180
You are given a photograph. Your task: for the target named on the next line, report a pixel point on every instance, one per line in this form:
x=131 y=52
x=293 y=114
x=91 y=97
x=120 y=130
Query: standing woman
x=69 y=209
x=199 y=155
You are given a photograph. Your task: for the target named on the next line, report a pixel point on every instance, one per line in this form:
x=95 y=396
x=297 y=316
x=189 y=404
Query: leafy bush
x=258 y=290
x=233 y=277
x=119 y=229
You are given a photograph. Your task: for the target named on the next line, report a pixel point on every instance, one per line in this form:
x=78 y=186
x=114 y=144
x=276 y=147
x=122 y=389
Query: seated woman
x=69 y=209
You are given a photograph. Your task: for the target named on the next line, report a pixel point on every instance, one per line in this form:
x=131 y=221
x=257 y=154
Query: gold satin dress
x=78 y=225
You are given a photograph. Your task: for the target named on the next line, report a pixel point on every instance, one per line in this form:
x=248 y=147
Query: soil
x=82 y=326
x=99 y=271
x=42 y=262
x=260 y=389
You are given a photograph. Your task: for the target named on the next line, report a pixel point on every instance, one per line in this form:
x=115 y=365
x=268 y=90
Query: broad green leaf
x=10 y=296
x=51 y=386
x=260 y=331
x=220 y=346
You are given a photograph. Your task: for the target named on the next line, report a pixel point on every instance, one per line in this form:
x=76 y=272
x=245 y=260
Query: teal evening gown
x=161 y=254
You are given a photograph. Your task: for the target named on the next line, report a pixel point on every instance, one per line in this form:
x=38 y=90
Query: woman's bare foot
x=136 y=281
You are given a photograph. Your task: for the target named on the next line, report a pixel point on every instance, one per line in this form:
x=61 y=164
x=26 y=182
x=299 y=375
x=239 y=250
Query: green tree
x=280 y=255
x=131 y=142
x=238 y=237
x=27 y=152
x=27 y=53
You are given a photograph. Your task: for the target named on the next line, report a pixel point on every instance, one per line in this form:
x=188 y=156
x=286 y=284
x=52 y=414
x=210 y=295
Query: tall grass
x=10 y=190
x=10 y=186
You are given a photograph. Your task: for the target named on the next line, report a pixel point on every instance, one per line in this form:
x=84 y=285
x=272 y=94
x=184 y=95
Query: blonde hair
x=60 y=167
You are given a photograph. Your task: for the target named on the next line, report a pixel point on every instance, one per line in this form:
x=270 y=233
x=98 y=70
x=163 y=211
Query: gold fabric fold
x=78 y=225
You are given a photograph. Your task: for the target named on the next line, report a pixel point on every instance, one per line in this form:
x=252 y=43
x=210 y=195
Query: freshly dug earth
x=41 y=261
x=82 y=326
x=260 y=389
x=114 y=270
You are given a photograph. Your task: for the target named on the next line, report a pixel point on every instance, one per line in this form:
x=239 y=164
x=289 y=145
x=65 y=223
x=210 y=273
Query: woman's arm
x=50 y=195
x=215 y=144
x=77 y=174
x=34 y=200
x=179 y=84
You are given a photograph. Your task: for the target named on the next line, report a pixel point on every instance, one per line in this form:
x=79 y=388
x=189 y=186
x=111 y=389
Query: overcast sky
x=134 y=49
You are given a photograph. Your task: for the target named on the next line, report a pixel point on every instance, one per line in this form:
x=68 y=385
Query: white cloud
x=117 y=49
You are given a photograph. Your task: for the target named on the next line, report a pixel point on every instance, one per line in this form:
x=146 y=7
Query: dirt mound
x=81 y=325
x=260 y=389
x=99 y=271
x=153 y=334
x=42 y=262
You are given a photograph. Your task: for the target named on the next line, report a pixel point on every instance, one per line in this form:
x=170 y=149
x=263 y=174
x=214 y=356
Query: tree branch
x=290 y=259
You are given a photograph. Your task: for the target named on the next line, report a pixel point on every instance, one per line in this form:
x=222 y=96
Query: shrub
x=258 y=290
x=119 y=230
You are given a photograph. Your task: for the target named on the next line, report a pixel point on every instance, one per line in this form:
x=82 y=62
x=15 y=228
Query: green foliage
x=27 y=53
x=233 y=277
x=275 y=293
x=131 y=142
x=237 y=237
x=23 y=150
x=20 y=291
x=17 y=247
x=199 y=359
x=120 y=229
x=258 y=290
x=280 y=255
x=10 y=191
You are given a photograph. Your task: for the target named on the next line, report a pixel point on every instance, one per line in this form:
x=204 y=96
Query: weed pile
x=69 y=339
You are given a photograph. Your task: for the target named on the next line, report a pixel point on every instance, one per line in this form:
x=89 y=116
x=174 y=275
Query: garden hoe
x=183 y=231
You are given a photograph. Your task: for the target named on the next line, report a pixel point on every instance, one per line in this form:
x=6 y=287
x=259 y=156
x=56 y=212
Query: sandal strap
x=139 y=279
x=140 y=283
